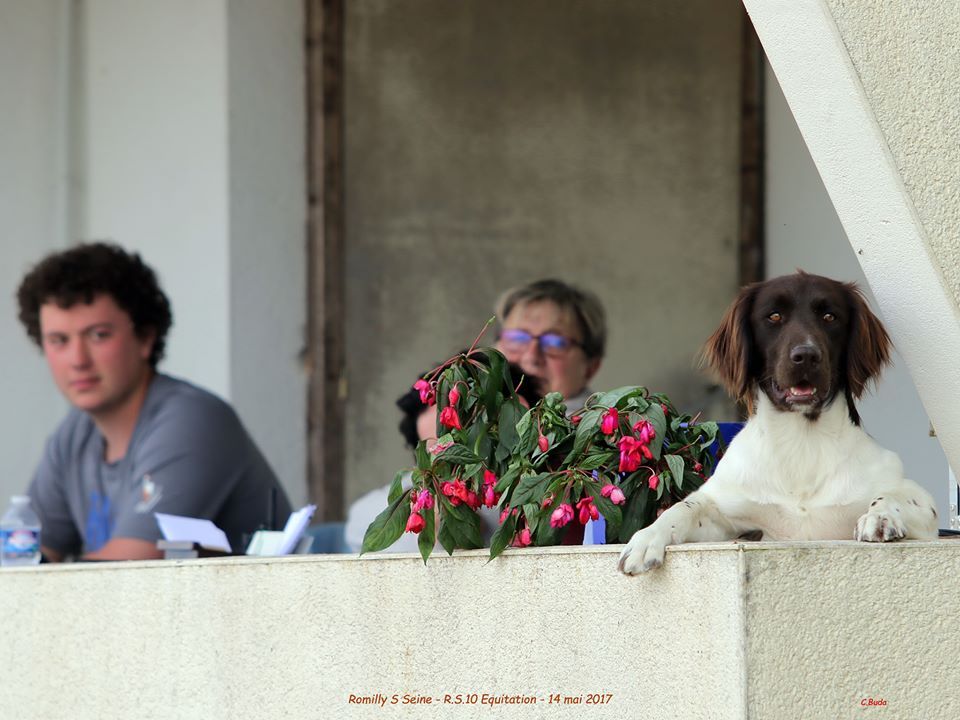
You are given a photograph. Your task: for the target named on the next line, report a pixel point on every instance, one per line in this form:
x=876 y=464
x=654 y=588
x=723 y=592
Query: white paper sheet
x=204 y=532
x=293 y=530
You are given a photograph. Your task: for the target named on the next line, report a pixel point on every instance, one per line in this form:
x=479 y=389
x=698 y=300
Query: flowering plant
x=627 y=455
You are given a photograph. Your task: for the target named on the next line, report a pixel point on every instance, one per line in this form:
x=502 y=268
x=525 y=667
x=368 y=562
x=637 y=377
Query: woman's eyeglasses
x=551 y=344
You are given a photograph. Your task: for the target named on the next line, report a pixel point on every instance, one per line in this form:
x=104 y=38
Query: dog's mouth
x=800 y=394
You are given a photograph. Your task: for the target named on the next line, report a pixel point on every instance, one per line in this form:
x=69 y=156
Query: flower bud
x=561 y=516
x=453 y=396
x=415 y=523
x=653 y=482
x=427 y=394
x=543 y=443
x=450 y=419
x=610 y=421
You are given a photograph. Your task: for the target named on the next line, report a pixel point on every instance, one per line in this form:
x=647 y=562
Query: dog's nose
x=806 y=354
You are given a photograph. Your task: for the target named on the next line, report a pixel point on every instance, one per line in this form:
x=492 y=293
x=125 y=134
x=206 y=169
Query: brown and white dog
x=799 y=350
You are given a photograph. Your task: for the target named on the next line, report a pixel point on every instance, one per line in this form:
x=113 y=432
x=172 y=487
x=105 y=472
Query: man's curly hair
x=81 y=273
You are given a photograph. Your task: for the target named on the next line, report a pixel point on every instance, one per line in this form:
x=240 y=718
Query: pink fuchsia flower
x=506 y=512
x=654 y=482
x=421 y=501
x=427 y=394
x=449 y=418
x=490 y=498
x=523 y=538
x=453 y=397
x=697 y=467
x=456 y=491
x=630 y=453
x=415 y=523
x=645 y=431
x=543 y=443
x=575 y=419
x=645 y=451
x=547 y=501
x=608 y=426
x=440 y=447
x=561 y=516
x=472 y=500
x=489 y=478
x=587 y=510
x=614 y=493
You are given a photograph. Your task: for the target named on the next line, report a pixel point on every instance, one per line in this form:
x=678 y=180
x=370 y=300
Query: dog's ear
x=869 y=349
x=728 y=351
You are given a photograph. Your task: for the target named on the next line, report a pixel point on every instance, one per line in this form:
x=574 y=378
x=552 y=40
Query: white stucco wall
x=887 y=165
x=180 y=126
x=761 y=631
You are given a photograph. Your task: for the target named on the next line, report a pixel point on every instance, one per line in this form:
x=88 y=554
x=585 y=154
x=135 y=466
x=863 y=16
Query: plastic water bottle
x=19 y=534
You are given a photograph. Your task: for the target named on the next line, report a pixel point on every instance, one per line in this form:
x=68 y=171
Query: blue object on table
x=595 y=532
x=327 y=538
x=728 y=430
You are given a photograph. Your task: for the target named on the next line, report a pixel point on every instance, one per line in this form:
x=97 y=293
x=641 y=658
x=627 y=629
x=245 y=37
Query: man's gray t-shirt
x=189 y=455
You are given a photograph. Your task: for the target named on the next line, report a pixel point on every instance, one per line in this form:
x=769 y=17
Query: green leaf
x=424 y=461
x=677 y=465
x=445 y=538
x=503 y=536
x=596 y=460
x=659 y=421
x=613 y=397
x=611 y=513
x=428 y=536
x=512 y=473
x=534 y=514
x=396 y=487
x=507 y=423
x=458 y=455
x=494 y=380
x=586 y=429
x=709 y=430
x=388 y=526
x=639 y=512
x=531 y=488
x=467 y=528
x=527 y=433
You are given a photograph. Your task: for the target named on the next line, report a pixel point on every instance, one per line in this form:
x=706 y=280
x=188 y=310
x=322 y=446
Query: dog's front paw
x=645 y=551
x=877 y=526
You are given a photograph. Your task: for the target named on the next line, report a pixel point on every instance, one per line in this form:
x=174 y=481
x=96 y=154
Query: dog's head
x=801 y=339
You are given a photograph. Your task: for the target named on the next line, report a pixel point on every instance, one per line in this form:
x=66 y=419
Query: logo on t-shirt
x=150 y=494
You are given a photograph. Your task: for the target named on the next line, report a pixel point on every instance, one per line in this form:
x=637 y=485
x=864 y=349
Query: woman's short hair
x=585 y=306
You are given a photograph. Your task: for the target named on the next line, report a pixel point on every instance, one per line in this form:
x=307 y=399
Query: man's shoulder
x=174 y=396
x=73 y=431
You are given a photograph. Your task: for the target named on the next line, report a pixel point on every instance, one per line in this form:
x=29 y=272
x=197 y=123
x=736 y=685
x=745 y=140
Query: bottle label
x=22 y=543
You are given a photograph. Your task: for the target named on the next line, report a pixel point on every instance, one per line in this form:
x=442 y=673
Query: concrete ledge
x=760 y=630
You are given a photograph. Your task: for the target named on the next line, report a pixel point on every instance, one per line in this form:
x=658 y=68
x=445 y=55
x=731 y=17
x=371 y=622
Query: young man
x=136 y=441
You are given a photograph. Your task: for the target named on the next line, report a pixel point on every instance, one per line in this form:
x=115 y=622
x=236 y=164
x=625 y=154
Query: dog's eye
x=829 y=317
x=775 y=317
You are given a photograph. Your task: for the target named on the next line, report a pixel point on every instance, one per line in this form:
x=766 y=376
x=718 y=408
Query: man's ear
x=147 y=340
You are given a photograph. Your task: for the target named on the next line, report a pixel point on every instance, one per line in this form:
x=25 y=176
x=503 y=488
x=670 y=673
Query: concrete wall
x=874 y=91
x=761 y=631
x=803 y=231
x=177 y=130
x=489 y=144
